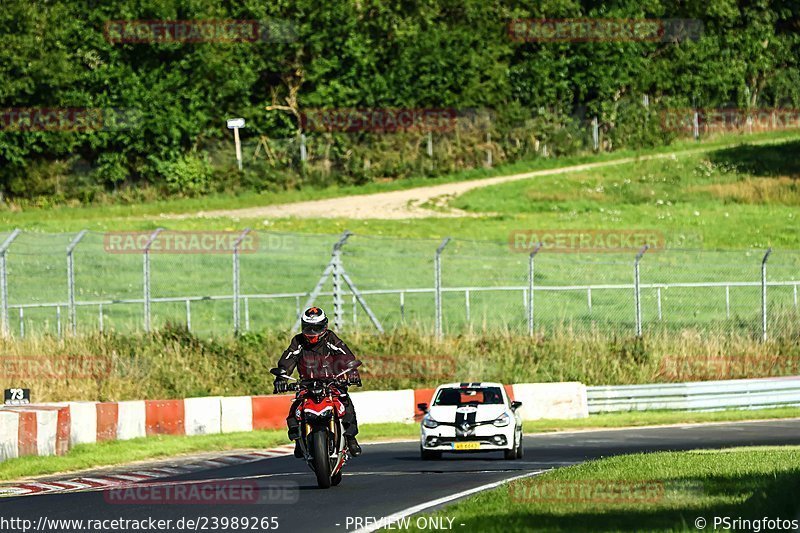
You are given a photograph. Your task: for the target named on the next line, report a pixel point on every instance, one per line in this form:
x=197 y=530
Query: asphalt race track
x=388 y=478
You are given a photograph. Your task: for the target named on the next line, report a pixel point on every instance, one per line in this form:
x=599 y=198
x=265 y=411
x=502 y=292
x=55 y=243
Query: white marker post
x=234 y=124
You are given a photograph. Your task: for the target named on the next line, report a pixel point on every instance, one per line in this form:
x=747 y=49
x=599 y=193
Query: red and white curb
x=116 y=479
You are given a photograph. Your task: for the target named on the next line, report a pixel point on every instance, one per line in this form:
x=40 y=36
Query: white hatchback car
x=470 y=417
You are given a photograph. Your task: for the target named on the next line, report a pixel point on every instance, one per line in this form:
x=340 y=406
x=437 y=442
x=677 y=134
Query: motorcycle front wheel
x=322 y=463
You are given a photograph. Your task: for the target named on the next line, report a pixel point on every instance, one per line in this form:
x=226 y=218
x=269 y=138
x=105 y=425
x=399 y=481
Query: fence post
x=338 y=302
x=437 y=280
x=727 y=301
x=4 y=278
x=236 y=319
x=764 y=295
x=530 y=287
x=146 y=269
x=595 y=134
x=73 y=319
x=637 y=295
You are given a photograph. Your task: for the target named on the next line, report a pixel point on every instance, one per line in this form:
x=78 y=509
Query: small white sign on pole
x=234 y=124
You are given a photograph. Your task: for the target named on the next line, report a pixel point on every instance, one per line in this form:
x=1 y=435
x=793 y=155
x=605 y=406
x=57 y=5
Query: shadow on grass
x=764 y=161
x=773 y=496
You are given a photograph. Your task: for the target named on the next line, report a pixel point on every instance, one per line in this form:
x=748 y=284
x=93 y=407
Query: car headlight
x=429 y=422
x=502 y=420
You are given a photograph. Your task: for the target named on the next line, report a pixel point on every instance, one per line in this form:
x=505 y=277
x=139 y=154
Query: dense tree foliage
x=170 y=100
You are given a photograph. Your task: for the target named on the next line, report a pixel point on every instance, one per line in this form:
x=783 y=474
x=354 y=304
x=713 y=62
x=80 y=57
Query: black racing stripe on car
x=471 y=417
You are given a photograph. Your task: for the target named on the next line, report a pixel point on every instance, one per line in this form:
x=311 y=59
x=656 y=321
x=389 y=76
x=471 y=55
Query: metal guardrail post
x=530 y=287
x=437 y=280
x=73 y=319
x=236 y=318
x=637 y=295
x=4 y=279
x=764 y=295
x=146 y=277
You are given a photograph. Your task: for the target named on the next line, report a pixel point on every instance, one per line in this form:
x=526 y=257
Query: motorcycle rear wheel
x=322 y=463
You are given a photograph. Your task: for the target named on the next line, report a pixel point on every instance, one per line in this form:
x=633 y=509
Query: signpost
x=17 y=396
x=234 y=124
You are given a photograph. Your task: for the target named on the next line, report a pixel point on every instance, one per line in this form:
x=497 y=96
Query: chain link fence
x=60 y=284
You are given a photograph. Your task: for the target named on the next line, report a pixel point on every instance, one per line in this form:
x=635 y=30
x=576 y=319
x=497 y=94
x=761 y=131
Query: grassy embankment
x=173 y=363
x=665 y=491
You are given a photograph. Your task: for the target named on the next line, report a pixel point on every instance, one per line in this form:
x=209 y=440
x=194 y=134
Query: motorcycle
x=322 y=438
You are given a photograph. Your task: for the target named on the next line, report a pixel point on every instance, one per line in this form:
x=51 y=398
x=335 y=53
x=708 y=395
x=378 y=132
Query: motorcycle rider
x=318 y=352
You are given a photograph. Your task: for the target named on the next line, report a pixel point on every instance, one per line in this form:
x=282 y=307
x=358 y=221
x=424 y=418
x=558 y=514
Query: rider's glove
x=281 y=385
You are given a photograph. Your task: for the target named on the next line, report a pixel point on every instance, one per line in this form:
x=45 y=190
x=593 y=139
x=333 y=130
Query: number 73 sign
x=17 y=396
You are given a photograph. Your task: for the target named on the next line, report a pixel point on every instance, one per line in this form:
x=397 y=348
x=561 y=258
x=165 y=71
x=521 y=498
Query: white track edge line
x=432 y=503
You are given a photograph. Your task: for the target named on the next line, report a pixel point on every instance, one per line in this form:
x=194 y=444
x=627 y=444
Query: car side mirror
x=423 y=407
x=515 y=405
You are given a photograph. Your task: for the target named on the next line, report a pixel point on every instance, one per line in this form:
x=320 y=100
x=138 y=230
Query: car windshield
x=469 y=395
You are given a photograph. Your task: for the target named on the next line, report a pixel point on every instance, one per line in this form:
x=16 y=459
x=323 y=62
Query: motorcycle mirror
x=277 y=372
x=355 y=363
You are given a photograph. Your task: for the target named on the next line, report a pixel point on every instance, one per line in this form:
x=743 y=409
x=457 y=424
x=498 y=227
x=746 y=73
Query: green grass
x=171 y=363
x=86 y=456
x=665 y=491
x=75 y=217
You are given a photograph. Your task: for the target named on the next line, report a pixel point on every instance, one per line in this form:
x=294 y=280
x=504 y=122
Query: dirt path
x=407 y=203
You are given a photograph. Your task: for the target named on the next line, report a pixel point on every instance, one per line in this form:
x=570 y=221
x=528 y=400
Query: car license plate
x=466 y=445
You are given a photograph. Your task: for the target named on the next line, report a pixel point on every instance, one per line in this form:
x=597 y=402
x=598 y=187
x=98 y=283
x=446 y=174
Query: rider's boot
x=352 y=445
x=294 y=434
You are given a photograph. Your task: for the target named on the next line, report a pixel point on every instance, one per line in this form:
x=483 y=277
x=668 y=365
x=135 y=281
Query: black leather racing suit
x=323 y=359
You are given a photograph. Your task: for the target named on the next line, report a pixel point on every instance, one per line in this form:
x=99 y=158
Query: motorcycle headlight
x=429 y=422
x=502 y=420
